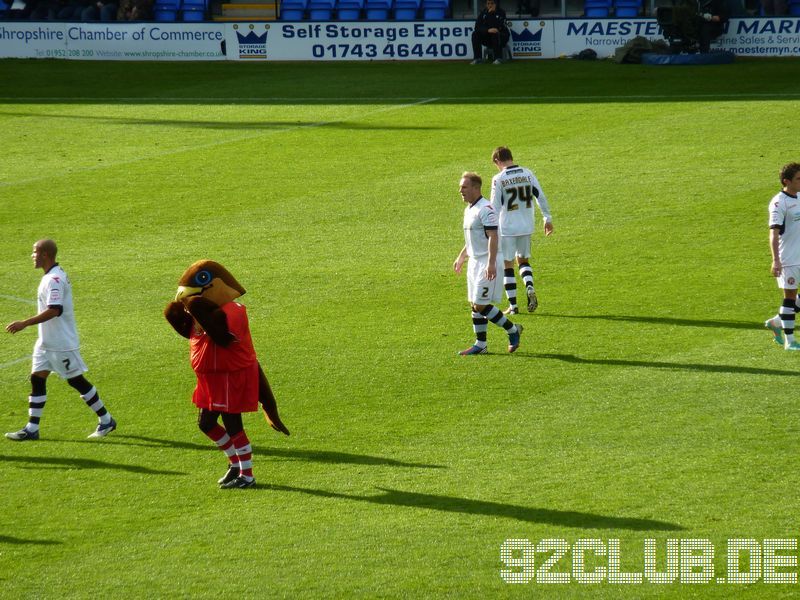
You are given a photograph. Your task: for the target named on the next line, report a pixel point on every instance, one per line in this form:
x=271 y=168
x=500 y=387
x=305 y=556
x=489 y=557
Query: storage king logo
x=527 y=43
x=252 y=45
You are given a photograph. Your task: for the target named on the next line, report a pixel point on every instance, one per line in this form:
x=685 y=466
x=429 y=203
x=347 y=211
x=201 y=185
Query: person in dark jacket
x=491 y=29
x=712 y=16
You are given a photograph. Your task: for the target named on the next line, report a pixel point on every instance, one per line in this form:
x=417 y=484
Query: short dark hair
x=501 y=154
x=788 y=171
x=473 y=177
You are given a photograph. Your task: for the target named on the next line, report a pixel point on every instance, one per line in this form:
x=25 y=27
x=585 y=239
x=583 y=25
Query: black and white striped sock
x=35 y=409
x=494 y=314
x=92 y=399
x=786 y=313
x=510 y=283
x=479 y=324
x=526 y=273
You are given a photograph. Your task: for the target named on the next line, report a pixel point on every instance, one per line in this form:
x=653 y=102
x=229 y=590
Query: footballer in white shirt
x=784 y=244
x=481 y=249
x=57 y=347
x=514 y=190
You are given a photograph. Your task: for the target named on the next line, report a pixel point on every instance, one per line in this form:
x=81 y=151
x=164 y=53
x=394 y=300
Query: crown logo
x=527 y=36
x=252 y=38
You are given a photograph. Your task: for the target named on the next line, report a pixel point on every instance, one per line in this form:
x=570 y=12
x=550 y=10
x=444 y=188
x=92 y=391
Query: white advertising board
x=112 y=41
x=362 y=40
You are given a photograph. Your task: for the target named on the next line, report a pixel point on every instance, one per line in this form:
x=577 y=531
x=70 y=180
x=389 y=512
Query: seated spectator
x=99 y=11
x=42 y=10
x=713 y=15
x=774 y=8
x=491 y=30
x=135 y=10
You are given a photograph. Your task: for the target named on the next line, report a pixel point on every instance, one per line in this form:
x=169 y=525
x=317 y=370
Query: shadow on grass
x=663 y=321
x=617 y=362
x=320 y=456
x=527 y=514
x=227 y=125
x=8 y=539
x=83 y=463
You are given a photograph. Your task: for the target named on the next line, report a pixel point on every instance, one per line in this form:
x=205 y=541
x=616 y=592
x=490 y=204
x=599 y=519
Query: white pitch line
x=218 y=143
x=407 y=100
x=15 y=299
x=14 y=362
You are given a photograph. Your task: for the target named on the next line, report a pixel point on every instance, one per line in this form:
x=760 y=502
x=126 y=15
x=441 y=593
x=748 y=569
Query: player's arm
x=544 y=207
x=496 y=197
x=460 y=260
x=774 y=238
x=491 y=268
x=50 y=312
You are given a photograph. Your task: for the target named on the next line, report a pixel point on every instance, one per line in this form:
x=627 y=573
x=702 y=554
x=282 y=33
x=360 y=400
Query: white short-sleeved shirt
x=784 y=215
x=514 y=190
x=479 y=218
x=59 y=333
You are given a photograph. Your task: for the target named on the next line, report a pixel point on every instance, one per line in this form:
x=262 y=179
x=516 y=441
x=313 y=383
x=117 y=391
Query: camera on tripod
x=690 y=26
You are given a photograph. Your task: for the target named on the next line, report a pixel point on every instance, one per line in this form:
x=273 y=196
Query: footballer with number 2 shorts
x=481 y=248
x=57 y=348
x=784 y=243
x=514 y=190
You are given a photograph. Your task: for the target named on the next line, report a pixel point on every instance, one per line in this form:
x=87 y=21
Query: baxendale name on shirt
x=333 y=31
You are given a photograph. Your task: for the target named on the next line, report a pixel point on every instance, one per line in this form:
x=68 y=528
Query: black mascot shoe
x=233 y=473
x=239 y=483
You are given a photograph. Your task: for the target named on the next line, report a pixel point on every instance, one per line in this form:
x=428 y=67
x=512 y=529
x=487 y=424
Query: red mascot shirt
x=227 y=378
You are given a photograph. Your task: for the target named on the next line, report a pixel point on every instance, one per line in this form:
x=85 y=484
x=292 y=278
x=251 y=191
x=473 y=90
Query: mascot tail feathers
x=268 y=404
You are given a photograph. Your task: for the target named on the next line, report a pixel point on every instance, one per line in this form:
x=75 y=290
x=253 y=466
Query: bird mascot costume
x=230 y=381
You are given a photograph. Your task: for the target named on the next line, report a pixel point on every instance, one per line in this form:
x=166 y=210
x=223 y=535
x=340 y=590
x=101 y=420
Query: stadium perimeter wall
x=367 y=40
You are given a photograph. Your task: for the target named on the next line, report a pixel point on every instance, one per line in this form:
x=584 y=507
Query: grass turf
x=646 y=400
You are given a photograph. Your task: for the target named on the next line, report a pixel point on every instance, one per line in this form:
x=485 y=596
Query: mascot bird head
x=210 y=280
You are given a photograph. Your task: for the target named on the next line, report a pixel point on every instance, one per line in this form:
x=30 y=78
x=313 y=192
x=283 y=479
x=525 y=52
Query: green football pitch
x=647 y=407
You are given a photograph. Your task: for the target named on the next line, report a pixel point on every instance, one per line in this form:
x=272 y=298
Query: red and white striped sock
x=223 y=441
x=245 y=453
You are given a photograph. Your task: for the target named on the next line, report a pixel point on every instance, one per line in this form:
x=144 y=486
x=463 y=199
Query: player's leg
x=509 y=280
x=493 y=314
x=477 y=48
x=35 y=408
x=476 y=289
x=510 y=285
x=497 y=47
x=523 y=254
x=787 y=313
x=106 y=423
x=244 y=452
x=483 y=293
x=787 y=281
x=208 y=422
x=479 y=325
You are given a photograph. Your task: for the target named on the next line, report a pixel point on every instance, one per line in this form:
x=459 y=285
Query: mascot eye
x=203 y=278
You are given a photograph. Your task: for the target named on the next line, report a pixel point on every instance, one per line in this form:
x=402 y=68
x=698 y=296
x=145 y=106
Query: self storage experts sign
x=373 y=40
x=113 y=41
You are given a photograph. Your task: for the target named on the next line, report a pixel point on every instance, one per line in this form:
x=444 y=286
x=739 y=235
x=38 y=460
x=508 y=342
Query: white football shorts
x=479 y=289
x=66 y=364
x=789 y=277
x=515 y=246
